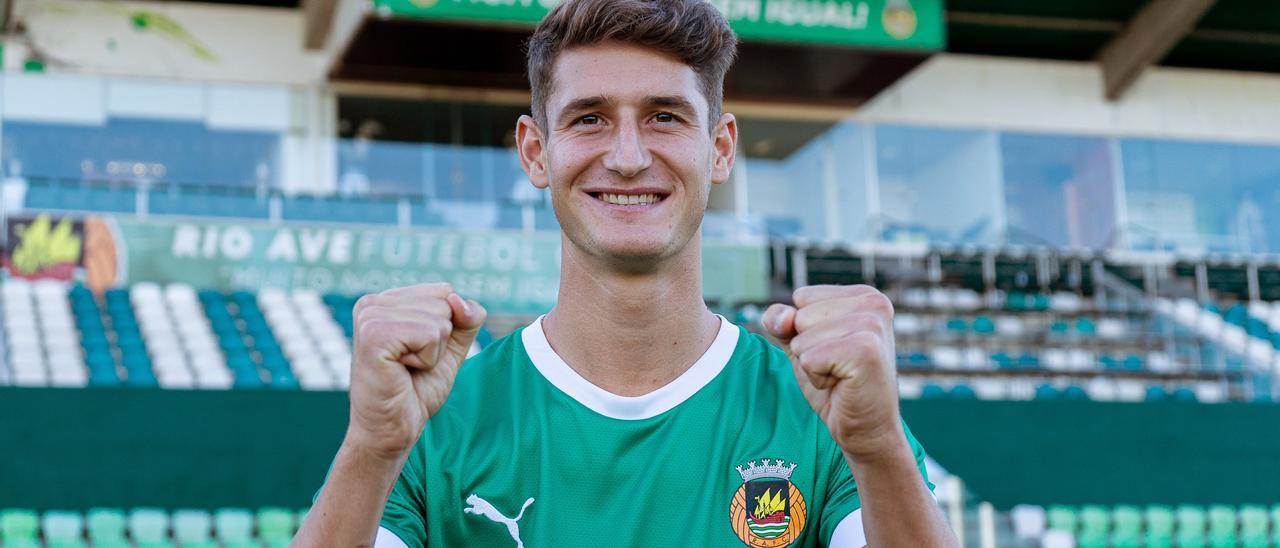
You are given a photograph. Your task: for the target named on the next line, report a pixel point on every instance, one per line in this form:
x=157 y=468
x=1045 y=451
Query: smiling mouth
x=628 y=199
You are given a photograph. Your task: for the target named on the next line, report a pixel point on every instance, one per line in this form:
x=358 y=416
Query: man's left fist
x=840 y=341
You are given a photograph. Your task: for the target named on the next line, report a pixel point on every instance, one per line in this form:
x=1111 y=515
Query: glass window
x=939 y=185
x=805 y=179
x=1059 y=191
x=132 y=149
x=1194 y=196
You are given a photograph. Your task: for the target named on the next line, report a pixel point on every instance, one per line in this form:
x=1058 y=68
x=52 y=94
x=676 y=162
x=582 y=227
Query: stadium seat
x=1095 y=525
x=149 y=526
x=233 y=526
x=276 y=525
x=19 y=527
x=63 y=529
x=106 y=527
x=1126 y=527
x=1160 y=526
x=1223 y=523
x=1028 y=521
x=193 y=528
x=1063 y=518
x=1191 y=525
x=1254 y=525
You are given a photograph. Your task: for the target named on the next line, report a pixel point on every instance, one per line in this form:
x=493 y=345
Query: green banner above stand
x=898 y=24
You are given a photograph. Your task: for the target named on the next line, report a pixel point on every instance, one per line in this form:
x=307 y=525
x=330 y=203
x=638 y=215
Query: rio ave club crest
x=768 y=511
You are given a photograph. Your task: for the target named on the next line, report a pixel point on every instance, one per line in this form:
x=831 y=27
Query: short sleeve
x=406 y=510
x=842 y=492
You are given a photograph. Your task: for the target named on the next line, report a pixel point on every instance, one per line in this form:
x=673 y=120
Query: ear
x=533 y=151
x=724 y=148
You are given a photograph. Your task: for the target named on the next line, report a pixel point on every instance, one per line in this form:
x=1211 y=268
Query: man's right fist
x=409 y=342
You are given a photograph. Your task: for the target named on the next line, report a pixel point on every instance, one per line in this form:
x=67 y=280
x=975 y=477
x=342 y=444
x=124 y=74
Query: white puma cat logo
x=482 y=507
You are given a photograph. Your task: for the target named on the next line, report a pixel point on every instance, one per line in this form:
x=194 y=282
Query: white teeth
x=629 y=199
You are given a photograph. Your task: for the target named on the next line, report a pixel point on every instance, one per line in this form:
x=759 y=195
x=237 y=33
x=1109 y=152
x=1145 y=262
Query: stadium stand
x=268 y=527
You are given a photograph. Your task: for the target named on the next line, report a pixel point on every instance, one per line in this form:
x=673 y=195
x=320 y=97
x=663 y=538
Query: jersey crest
x=767 y=511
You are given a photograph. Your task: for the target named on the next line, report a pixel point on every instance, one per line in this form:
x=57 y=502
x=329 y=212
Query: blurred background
x=1074 y=204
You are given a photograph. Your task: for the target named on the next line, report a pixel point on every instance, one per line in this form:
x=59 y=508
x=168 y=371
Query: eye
x=589 y=120
x=664 y=117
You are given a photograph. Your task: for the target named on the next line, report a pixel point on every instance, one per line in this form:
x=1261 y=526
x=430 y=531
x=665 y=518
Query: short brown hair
x=692 y=30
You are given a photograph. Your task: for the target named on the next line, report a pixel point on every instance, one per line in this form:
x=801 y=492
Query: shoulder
x=763 y=372
x=497 y=369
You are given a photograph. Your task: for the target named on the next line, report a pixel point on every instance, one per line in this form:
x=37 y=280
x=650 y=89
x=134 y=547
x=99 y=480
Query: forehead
x=625 y=73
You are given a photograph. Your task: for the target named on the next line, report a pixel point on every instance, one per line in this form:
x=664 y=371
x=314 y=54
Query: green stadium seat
x=1160 y=523
x=1095 y=526
x=1254 y=524
x=63 y=529
x=1126 y=527
x=19 y=527
x=1063 y=518
x=1222 y=526
x=275 y=524
x=233 y=526
x=149 y=526
x=106 y=526
x=1191 y=521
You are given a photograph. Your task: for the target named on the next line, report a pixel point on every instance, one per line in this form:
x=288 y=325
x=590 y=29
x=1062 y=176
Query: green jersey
x=525 y=452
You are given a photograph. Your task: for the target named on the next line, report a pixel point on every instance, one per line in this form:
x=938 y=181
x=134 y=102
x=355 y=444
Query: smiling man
x=629 y=415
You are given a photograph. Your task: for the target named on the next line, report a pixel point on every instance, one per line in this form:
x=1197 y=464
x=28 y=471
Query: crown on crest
x=778 y=469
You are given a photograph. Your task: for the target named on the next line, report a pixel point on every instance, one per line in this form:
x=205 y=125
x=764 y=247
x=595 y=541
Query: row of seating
x=1099 y=388
x=1060 y=327
x=1188 y=525
x=149 y=527
x=959 y=298
x=945 y=357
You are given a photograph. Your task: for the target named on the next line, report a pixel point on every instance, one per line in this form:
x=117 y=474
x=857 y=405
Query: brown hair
x=692 y=30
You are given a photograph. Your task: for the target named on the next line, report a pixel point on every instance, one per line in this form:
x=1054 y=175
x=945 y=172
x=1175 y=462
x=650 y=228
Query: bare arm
x=350 y=505
x=897 y=507
x=408 y=345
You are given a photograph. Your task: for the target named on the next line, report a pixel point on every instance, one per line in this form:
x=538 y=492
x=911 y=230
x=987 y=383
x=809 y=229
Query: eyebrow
x=577 y=106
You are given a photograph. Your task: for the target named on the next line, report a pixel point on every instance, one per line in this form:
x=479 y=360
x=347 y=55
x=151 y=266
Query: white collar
x=611 y=405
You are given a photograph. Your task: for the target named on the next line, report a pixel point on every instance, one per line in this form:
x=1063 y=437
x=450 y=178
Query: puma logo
x=482 y=507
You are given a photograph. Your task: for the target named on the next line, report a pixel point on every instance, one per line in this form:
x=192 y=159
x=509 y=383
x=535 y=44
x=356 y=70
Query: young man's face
x=627 y=152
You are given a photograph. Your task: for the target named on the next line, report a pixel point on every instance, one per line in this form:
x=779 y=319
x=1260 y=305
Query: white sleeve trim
x=387 y=539
x=849 y=532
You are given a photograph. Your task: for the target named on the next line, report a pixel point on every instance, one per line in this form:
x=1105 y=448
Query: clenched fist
x=409 y=343
x=840 y=341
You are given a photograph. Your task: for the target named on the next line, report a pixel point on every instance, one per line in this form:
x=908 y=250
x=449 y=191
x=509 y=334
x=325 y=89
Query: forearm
x=350 y=505
x=897 y=507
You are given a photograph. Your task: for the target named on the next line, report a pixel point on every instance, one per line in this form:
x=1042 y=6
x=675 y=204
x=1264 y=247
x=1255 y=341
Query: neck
x=627 y=332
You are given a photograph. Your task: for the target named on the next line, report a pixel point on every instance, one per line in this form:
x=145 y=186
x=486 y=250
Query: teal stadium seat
x=1254 y=525
x=1160 y=526
x=1063 y=518
x=106 y=527
x=1191 y=521
x=1126 y=531
x=19 y=527
x=276 y=526
x=1095 y=527
x=1223 y=524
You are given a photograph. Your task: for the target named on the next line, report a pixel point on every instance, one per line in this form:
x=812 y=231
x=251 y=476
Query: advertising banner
x=510 y=272
x=910 y=24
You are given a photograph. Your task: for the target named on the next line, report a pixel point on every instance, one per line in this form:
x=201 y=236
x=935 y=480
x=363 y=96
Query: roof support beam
x=1156 y=28
x=317 y=20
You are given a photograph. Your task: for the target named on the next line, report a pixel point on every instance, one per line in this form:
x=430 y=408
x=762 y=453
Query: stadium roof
x=1125 y=36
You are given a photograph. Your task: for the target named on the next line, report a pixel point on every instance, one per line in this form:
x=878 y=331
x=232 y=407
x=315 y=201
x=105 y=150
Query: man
x=630 y=415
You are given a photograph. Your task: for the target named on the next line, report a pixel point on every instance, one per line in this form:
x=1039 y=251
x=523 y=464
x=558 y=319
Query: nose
x=628 y=156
